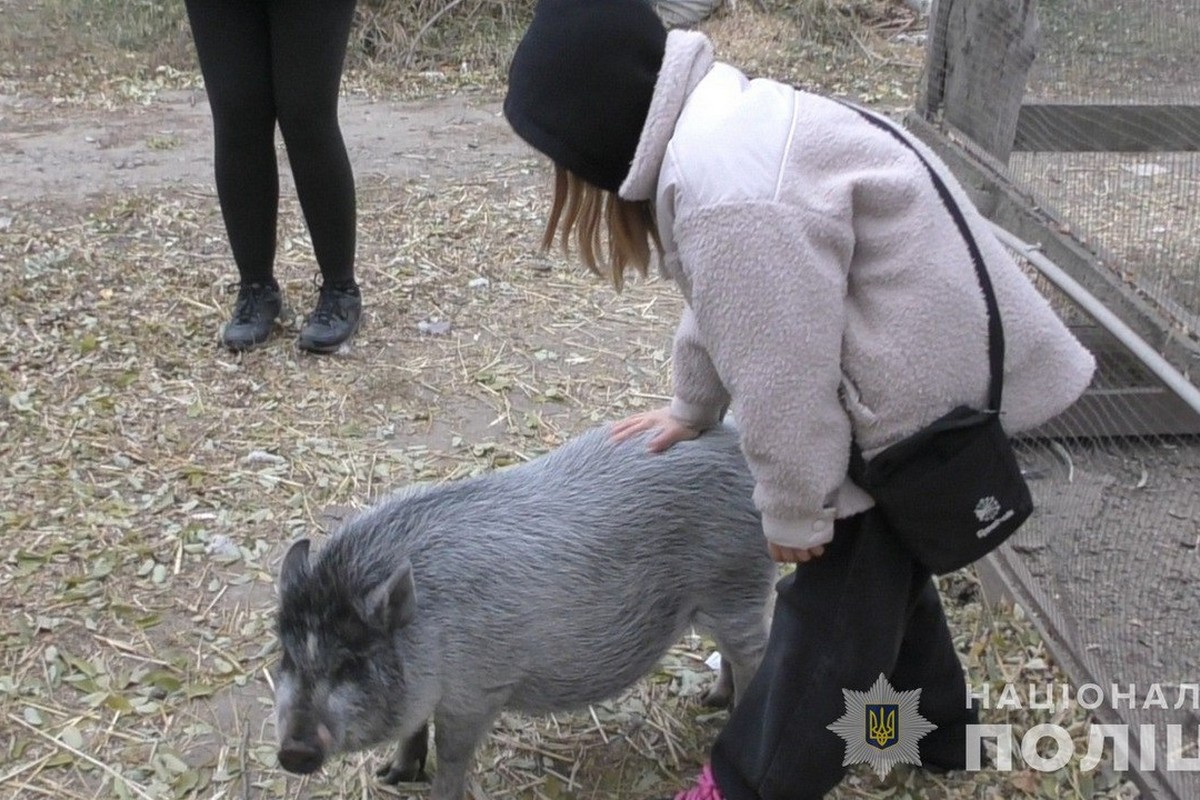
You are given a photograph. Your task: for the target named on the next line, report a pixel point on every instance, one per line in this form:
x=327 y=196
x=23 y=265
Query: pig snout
x=303 y=751
x=301 y=758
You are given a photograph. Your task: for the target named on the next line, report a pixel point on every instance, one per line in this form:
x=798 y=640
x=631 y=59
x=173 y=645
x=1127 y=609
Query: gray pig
x=539 y=588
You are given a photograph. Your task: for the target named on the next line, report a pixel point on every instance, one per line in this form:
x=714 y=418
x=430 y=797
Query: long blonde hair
x=592 y=215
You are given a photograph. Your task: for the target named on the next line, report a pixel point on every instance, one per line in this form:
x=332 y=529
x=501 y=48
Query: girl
x=830 y=299
x=269 y=61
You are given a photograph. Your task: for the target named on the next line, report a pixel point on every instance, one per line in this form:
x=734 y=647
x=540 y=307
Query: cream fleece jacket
x=828 y=292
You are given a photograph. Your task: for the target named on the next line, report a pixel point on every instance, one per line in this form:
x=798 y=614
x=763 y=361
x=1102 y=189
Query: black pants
x=278 y=61
x=863 y=609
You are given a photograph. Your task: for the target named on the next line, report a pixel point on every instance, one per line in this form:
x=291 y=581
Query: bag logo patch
x=988 y=510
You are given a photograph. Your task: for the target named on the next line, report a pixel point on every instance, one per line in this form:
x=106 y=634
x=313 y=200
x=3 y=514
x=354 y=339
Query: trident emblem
x=882 y=724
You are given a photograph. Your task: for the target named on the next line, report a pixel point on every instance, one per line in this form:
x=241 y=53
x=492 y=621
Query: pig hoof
x=717 y=697
x=395 y=772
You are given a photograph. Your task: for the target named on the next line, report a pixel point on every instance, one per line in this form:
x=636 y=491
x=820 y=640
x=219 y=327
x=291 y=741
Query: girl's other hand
x=792 y=555
x=669 y=430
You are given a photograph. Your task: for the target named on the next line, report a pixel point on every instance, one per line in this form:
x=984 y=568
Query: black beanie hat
x=580 y=84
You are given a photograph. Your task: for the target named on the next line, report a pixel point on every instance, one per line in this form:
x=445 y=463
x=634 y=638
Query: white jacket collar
x=688 y=58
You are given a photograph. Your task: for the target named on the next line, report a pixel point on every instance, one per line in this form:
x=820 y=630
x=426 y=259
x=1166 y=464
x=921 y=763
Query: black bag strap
x=995 y=329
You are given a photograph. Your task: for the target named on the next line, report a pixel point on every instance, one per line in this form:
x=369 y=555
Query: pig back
x=565 y=579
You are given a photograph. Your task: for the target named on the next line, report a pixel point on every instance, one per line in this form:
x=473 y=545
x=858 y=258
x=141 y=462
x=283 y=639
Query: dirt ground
x=151 y=481
x=69 y=154
x=109 y=212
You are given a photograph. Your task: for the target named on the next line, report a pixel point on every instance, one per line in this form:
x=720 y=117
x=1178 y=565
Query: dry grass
x=151 y=480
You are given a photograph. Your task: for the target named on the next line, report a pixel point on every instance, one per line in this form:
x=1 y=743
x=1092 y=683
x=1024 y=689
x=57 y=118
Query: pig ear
x=393 y=604
x=295 y=565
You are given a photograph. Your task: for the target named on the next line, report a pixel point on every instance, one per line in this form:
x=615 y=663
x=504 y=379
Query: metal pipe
x=1171 y=377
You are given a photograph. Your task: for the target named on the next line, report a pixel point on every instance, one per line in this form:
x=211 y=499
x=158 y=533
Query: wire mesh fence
x=1109 y=565
x=1140 y=207
x=1092 y=109
x=1108 y=129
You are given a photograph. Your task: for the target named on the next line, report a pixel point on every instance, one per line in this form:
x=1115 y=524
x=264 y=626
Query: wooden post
x=978 y=61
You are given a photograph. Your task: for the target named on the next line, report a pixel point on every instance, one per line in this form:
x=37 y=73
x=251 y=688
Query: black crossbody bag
x=953 y=491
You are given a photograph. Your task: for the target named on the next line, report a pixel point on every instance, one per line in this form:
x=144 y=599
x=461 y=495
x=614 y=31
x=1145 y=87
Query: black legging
x=268 y=61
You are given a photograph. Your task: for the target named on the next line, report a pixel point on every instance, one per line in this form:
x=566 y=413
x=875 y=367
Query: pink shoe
x=705 y=788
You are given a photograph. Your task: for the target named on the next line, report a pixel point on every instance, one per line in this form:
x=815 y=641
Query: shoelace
x=327 y=307
x=250 y=296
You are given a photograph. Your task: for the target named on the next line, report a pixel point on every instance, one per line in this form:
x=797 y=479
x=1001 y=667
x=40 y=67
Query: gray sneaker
x=334 y=320
x=258 y=306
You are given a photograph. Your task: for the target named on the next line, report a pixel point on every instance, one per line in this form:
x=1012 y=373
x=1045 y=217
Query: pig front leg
x=721 y=693
x=455 y=738
x=408 y=766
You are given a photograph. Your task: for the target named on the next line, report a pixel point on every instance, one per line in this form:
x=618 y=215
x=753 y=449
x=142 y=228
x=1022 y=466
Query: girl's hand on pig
x=668 y=429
